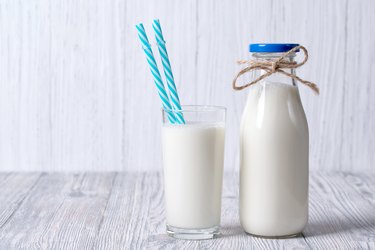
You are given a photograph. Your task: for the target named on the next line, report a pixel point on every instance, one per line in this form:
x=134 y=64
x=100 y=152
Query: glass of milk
x=274 y=153
x=193 y=155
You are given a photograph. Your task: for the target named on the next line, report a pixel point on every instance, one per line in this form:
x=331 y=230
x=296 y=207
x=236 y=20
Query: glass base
x=193 y=234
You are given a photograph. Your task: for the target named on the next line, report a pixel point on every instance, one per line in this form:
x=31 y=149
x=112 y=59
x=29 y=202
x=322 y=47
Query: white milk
x=193 y=171
x=274 y=161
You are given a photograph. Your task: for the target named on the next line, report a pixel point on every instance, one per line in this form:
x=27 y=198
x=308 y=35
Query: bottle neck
x=276 y=77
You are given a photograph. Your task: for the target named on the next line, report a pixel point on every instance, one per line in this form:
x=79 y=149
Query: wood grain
x=124 y=218
x=14 y=189
x=77 y=94
x=339 y=215
x=126 y=211
x=63 y=212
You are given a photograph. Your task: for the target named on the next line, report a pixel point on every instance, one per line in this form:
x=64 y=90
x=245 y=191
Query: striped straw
x=173 y=95
x=154 y=70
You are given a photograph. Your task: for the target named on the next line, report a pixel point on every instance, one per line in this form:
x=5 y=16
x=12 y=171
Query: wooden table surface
x=126 y=211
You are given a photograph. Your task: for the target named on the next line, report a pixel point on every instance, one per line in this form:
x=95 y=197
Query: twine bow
x=275 y=66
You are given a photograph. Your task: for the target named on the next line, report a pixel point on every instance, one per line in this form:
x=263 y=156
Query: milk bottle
x=274 y=152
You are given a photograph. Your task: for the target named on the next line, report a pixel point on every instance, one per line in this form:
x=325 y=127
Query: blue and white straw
x=155 y=71
x=173 y=95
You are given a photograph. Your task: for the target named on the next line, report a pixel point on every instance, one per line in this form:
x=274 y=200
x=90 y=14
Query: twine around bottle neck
x=275 y=66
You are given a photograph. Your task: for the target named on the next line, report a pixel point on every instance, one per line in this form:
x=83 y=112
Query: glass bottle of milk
x=274 y=153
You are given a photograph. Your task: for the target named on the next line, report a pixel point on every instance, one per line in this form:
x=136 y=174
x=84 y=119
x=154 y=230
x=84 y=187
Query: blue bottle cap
x=272 y=47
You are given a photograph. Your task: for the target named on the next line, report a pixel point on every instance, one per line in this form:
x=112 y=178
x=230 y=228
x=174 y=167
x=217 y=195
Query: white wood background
x=76 y=92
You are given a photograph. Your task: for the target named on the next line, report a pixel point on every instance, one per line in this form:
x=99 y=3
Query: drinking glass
x=193 y=155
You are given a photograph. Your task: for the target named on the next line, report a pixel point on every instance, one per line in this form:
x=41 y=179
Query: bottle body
x=274 y=160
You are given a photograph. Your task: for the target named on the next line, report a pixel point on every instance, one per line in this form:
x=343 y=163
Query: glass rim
x=196 y=108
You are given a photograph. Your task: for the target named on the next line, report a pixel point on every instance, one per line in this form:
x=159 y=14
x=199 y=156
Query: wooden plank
x=150 y=230
x=63 y=212
x=126 y=211
x=123 y=223
x=14 y=188
x=4 y=175
x=364 y=183
x=339 y=216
